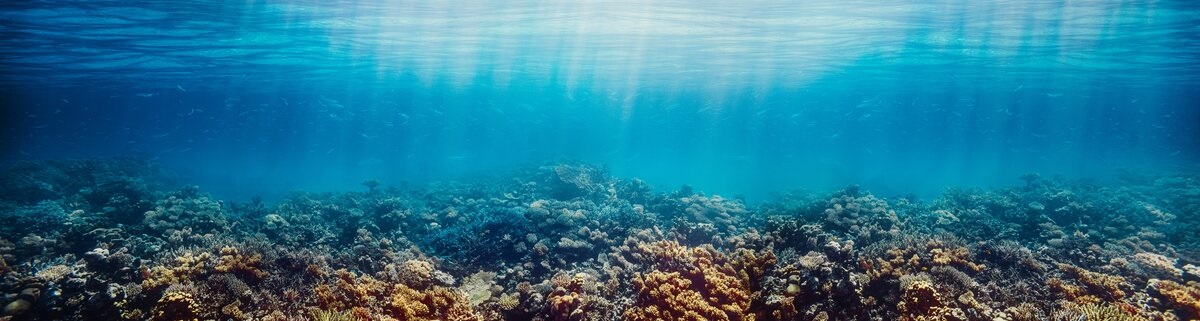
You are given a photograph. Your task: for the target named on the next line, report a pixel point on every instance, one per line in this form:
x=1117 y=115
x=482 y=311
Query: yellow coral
x=176 y=306
x=669 y=296
x=1072 y=292
x=957 y=256
x=1185 y=298
x=568 y=300
x=509 y=301
x=920 y=302
x=234 y=261
x=183 y=268
x=1093 y=311
x=1108 y=286
x=690 y=284
x=416 y=273
x=373 y=299
x=437 y=304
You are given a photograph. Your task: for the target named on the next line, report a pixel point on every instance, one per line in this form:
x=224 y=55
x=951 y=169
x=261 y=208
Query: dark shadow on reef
x=116 y=239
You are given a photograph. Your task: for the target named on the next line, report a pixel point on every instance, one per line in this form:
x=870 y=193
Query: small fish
x=1018 y=88
x=180 y=88
x=1054 y=95
x=65 y=101
x=147 y=95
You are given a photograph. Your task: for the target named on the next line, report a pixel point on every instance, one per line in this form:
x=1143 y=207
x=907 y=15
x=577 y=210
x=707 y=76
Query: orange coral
x=568 y=298
x=689 y=284
x=1072 y=292
x=1108 y=286
x=907 y=260
x=374 y=299
x=956 y=256
x=184 y=267
x=1185 y=298
x=437 y=304
x=920 y=302
x=176 y=306
x=234 y=261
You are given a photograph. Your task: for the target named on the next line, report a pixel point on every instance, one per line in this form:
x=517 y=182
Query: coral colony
x=118 y=239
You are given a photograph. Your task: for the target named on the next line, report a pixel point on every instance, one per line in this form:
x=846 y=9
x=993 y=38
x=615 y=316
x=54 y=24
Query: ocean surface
x=746 y=98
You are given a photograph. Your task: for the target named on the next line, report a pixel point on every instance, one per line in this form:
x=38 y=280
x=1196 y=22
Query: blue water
x=738 y=98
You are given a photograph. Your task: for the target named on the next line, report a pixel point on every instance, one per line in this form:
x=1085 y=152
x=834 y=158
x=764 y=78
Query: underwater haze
x=596 y=160
x=746 y=98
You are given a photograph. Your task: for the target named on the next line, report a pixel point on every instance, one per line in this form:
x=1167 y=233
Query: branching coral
x=1184 y=298
x=690 y=284
x=920 y=301
x=568 y=243
x=176 y=306
x=182 y=269
x=234 y=261
x=1095 y=312
x=380 y=300
x=567 y=301
x=437 y=304
x=1100 y=284
x=906 y=256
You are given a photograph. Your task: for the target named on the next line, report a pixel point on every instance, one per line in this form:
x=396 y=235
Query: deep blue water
x=737 y=98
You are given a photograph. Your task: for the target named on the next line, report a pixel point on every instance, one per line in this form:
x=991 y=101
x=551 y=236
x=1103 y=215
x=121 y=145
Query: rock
x=17 y=307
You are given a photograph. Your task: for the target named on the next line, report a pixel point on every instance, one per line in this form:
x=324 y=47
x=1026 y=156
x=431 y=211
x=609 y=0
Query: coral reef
x=117 y=239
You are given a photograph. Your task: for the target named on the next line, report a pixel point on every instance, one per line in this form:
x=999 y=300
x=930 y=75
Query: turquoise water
x=745 y=98
x=599 y=160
